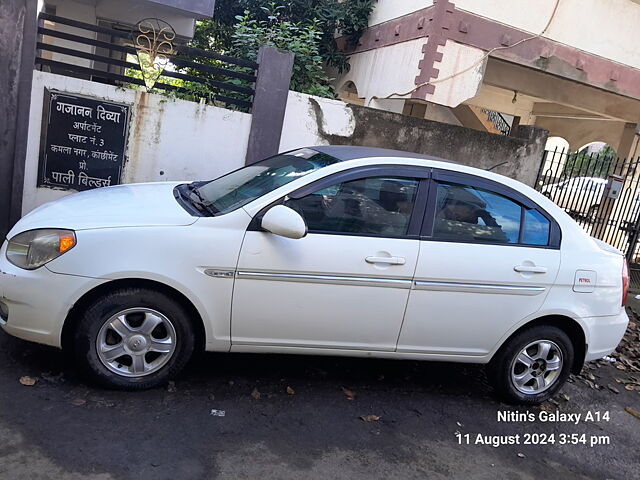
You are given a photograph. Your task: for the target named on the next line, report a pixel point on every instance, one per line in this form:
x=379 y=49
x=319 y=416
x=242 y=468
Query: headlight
x=34 y=248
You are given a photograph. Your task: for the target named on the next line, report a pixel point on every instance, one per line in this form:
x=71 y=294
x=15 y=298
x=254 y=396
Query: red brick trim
x=440 y=19
x=402 y=29
x=469 y=29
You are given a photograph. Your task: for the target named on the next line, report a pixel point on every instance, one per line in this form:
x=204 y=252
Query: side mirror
x=284 y=221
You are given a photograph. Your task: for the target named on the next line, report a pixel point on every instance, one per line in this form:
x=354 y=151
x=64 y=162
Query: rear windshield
x=242 y=186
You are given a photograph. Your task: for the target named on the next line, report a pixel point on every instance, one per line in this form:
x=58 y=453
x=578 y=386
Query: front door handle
x=387 y=260
x=530 y=269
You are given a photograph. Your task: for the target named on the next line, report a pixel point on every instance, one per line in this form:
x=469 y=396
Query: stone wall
x=312 y=120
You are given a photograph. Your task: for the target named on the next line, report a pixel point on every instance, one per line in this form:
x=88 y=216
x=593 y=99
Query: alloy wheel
x=537 y=367
x=136 y=342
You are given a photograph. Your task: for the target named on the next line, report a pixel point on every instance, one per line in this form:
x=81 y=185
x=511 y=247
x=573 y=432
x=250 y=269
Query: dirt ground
x=289 y=417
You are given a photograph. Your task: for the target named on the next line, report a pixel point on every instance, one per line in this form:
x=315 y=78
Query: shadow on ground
x=62 y=428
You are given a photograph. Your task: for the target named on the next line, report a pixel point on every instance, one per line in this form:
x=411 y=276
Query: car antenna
x=496 y=166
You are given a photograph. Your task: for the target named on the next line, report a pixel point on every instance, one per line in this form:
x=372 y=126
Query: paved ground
x=61 y=428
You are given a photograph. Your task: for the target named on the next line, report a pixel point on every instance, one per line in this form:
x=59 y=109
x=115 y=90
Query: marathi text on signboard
x=83 y=142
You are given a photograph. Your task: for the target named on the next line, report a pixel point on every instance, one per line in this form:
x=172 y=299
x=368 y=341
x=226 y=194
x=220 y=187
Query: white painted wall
x=300 y=127
x=386 y=10
x=384 y=71
x=452 y=88
x=605 y=28
x=184 y=140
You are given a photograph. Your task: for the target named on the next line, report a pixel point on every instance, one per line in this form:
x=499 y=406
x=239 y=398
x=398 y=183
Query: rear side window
x=536 y=228
x=465 y=213
x=470 y=214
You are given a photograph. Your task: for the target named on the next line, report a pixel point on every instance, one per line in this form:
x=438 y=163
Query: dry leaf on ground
x=633 y=412
x=348 y=393
x=369 y=418
x=28 y=381
x=291 y=391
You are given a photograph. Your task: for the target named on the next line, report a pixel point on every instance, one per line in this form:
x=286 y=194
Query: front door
x=346 y=284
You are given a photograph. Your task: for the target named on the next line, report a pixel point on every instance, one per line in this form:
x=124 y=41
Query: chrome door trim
x=479 y=288
x=327 y=279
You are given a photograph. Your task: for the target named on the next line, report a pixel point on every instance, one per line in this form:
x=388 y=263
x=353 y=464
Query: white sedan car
x=582 y=196
x=325 y=251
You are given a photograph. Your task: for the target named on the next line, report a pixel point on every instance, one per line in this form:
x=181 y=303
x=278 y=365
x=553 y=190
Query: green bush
x=251 y=33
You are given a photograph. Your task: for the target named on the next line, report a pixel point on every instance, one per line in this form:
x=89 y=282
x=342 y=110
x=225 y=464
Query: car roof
x=346 y=152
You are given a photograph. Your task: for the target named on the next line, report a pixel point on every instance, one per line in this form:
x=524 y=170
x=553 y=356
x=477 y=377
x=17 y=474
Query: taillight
x=625 y=282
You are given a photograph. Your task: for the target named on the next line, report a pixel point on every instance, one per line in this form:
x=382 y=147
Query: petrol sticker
x=585 y=281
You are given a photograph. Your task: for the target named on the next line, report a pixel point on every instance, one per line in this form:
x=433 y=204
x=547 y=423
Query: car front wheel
x=134 y=339
x=532 y=366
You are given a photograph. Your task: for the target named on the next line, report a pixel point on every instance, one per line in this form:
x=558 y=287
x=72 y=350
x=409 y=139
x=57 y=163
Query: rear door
x=488 y=257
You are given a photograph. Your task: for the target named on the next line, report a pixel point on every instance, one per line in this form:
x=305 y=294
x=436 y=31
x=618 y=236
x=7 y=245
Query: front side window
x=470 y=214
x=240 y=187
x=368 y=206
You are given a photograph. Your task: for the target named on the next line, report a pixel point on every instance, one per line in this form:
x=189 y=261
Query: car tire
x=549 y=353
x=133 y=339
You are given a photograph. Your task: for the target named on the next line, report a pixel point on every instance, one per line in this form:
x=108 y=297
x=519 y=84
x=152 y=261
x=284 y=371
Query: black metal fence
x=577 y=182
x=110 y=55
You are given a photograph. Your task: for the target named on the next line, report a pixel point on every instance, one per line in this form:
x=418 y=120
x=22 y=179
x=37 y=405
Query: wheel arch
x=568 y=325
x=74 y=314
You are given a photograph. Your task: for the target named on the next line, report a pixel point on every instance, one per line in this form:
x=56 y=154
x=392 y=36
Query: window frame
x=465 y=179
x=416 y=221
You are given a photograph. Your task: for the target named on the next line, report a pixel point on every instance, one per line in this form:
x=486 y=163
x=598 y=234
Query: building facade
x=569 y=66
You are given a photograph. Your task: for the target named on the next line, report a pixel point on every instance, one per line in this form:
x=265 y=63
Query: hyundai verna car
x=325 y=250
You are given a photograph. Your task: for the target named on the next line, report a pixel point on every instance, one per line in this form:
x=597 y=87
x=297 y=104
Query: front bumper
x=38 y=301
x=604 y=334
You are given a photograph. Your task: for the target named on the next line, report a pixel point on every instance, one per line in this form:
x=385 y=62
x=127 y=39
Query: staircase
x=482 y=119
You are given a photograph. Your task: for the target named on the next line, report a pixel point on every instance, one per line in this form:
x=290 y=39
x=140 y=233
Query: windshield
x=240 y=187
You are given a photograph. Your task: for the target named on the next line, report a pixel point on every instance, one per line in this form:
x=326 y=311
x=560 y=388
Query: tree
x=303 y=40
x=583 y=164
x=345 y=18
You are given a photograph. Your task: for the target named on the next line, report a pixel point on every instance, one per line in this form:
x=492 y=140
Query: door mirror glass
x=284 y=221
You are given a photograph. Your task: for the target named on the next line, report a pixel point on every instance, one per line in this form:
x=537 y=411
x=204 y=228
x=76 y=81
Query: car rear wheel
x=532 y=366
x=133 y=339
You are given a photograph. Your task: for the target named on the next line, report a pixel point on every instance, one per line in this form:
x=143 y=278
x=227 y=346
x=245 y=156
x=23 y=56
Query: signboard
x=83 y=142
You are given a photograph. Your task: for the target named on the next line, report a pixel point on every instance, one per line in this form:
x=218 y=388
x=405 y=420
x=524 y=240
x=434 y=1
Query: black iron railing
x=499 y=122
x=116 y=59
x=577 y=182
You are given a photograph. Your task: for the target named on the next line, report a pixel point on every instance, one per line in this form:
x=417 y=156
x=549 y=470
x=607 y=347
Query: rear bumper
x=604 y=334
x=38 y=300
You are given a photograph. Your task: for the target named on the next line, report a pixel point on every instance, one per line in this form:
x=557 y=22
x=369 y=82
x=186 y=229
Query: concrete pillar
x=628 y=145
x=17 y=56
x=269 y=103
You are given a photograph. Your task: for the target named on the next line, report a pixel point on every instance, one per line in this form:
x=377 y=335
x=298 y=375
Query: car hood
x=132 y=205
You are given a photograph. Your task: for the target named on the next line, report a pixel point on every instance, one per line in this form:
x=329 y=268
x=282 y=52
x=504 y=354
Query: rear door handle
x=387 y=260
x=530 y=269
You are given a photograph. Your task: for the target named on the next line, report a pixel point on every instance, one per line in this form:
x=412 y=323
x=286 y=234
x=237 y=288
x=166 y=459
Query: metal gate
x=577 y=183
